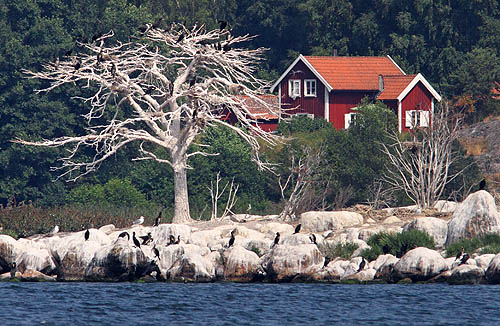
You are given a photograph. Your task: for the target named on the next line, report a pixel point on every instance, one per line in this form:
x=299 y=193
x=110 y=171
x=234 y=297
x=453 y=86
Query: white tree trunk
x=181 y=211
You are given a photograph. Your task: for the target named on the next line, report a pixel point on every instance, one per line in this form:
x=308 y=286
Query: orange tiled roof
x=394 y=86
x=257 y=110
x=353 y=73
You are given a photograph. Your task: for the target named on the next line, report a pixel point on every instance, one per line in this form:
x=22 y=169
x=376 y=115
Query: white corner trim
x=394 y=62
x=279 y=103
x=303 y=59
x=419 y=78
x=327 y=104
x=400 y=117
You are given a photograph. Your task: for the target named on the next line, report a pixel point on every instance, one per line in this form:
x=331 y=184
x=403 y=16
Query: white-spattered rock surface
x=435 y=227
x=477 y=215
x=322 y=221
x=419 y=264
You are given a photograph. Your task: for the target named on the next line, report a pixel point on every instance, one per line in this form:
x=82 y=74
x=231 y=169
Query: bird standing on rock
x=136 y=242
x=297 y=228
x=362 y=264
x=464 y=259
x=156 y=252
x=13 y=269
x=276 y=240
x=123 y=235
x=55 y=230
x=158 y=219
x=231 y=241
x=313 y=238
x=87 y=234
x=171 y=240
x=460 y=253
x=146 y=238
x=139 y=221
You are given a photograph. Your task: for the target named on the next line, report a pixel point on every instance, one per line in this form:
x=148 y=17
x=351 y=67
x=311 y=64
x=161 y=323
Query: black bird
x=87 y=234
x=78 y=64
x=222 y=24
x=386 y=249
x=156 y=252
x=226 y=47
x=68 y=53
x=313 y=238
x=136 y=242
x=178 y=240
x=276 y=240
x=482 y=184
x=143 y=29
x=96 y=37
x=146 y=238
x=157 y=23
x=464 y=259
x=327 y=260
x=192 y=81
x=361 y=264
x=460 y=253
x=180 y=38
x=13 y=269
x=297 y=228
x=231 y=241
x=171 y=240
x=113 y=70
x=158 y=219
x=123 y=235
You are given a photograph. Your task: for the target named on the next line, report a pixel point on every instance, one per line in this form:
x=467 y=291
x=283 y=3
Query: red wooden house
x=331 y=87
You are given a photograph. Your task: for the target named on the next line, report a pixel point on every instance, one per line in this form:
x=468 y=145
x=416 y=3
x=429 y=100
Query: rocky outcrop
x=287 y=263
x=192 y=267
x=466 y=274
x=322 y=221
x=36 y=259
x=493 y=271
x=242 y=265
x=435 y=227
x=419 y=264
x=476 y=216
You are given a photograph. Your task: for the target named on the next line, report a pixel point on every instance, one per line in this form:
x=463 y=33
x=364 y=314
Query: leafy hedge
x=487 y=244
x=396 y=244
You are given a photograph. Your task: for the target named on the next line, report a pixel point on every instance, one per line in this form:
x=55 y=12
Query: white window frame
x=312 y=85
x=422 y=118
x=302 y=114
x=294 y=88
x=348 y=119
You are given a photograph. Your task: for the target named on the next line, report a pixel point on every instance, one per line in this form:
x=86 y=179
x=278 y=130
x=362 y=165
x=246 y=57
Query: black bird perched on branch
x=158 y=219
x=123 y=235
x=68 y=53
x=78 y=64
x=222 y=24
x=113 y=69
x=146 y=238
x=231 y=241
x=297 y=228
x=276 y=240
x=96 y=37
x=136 y=242
x=156 y=252
x=87 y=234
x=157 y=23
x=226 y=47
x=180 y=38
x=361 y=264
x=482 y=184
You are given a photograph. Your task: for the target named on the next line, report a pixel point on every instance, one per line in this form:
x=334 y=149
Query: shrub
x=487 y=244
x=396 y=244
x=343 y=250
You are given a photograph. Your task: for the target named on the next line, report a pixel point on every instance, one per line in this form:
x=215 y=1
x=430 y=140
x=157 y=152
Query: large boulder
x=493 y=271
x=193 y=267
x=241 y=265
x=476 y=216
x=9 y=251
x=332 y=272
x=76 y=259
x=118 y=262
x=36 y=259
x=322 y=221
x=484 y=261
x=419 y=264
x=435 y=227
x=466 y=274
x=287 y=263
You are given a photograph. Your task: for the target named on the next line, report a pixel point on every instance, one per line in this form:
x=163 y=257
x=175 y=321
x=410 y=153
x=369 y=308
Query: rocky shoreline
x=203 y=253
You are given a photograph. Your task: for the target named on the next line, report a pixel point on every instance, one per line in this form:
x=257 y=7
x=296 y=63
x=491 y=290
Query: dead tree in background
x=162 y=89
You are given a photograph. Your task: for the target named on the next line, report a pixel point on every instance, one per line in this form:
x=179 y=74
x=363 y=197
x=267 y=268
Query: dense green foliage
x=396 y=244
x=488 y=244
x=454 y=44
x=342 y=250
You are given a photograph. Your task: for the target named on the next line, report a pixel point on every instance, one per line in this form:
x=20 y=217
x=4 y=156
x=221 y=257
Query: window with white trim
x=310 y=87
x=294 y=88
x=348 y=119
x=417 y=118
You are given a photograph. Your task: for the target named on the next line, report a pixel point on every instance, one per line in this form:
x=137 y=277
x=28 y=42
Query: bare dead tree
x=421 y=167
x=176 y=81
x=300 y=180
x=216 y=193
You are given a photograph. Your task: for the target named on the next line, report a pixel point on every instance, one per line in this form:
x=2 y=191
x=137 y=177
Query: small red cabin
x=331 y=87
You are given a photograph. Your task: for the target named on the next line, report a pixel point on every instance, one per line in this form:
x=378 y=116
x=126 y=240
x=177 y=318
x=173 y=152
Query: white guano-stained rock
x=466 y=274
x=493 y=271
x=435 y=227
x=36 y=259
x=419 y=264
x=322 y=221
x=241 y=265
x=476 y=216
x=286 y=263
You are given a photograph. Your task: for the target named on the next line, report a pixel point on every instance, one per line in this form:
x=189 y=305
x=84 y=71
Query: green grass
x=396 y=244
x=487 y=244
x=343 y=250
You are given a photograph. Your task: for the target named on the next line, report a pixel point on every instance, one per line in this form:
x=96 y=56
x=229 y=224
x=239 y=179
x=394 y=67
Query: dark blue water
x=246 y=304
